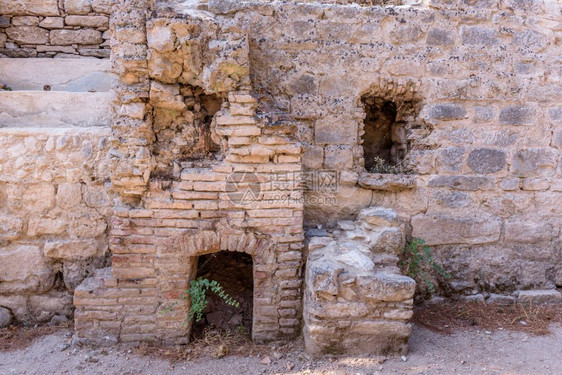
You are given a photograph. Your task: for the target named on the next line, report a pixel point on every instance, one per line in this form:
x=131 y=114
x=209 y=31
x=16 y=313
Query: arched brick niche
x=258 y=246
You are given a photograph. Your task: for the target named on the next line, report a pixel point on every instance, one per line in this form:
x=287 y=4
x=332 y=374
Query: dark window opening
x=384 y=138
x=234 y=272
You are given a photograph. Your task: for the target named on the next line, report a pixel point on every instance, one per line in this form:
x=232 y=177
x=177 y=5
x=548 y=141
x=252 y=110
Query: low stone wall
x=52 y=28
x=54 y=210
x=355 y=299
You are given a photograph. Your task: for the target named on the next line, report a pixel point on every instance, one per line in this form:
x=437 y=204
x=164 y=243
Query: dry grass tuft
x=459 y=316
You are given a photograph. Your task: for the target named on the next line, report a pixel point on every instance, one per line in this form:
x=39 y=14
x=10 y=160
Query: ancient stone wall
x=484 y=143
x=54 y=212
x=474 y=87
x=53 y=28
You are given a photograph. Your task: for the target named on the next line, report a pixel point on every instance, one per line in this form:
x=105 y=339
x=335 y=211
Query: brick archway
x=208 y=241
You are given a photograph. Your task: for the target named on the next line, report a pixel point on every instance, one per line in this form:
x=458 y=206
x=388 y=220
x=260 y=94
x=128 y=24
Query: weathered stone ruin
x=307 y=141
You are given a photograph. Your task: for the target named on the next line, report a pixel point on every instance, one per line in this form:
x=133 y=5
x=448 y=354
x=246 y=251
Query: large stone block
x=447 y=112
x=77 y=6
x=11 y=227
x=442 y=229
x=102 y=6
x=28 y=34
x=517 y=115
x=87 y=21
x=24 y=269
x=440 y=37
x=69 y=37
x=527 y=231
x=334 y=130
x=338 y=157
x=533 y=162
x=469 y=183
x=37 y=198
x=29 y=7
x=39 y=226
x=485 y=160
x=71 y=249
x=476 y=35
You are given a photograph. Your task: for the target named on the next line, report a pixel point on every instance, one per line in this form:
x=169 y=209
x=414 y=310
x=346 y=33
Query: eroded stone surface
x=356 y=301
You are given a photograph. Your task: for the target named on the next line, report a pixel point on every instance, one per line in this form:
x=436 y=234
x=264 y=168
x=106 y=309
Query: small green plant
x=382 y=166
x=418 y=263
x=198 y=292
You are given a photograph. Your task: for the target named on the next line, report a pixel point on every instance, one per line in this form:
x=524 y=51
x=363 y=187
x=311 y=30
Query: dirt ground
x=462 y=349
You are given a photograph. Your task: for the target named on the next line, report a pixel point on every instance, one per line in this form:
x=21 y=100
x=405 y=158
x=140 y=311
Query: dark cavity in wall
x=185 y=132
x=385 y=140
x=234 y=272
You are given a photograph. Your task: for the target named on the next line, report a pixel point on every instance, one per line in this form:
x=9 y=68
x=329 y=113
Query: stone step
x=54 y=109
x=75 y=75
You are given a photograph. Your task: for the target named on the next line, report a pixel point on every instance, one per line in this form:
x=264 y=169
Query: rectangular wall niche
x=385 y=142
x=234 y=272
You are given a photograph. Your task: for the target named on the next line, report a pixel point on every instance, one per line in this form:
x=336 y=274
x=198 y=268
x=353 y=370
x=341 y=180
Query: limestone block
x=386 y=182
x=87 y=21
x=470 y=183
x=24 y=269
x=166 y=96
x=527 y=231
x=52 y=23
x=77 y=6
x=476 y=35
x=533 y=162
x=483 y=114
x=539 y=296
x=102 y=6
x=441 y=229
x=71 y=249
x=11 y=227
x=322 y=207
x=313 y=157
x=50 y=109
x=379 y=217
x=385 y=287
x=96 y=196
x=403 y=33
x=69 y=195
x=25 y=21
x=39 y=226
x=36 y=198
x=161 y=38
x=334 y=130
x=87 y=225
x=338 y=157
x=486 y=160
x=28 y=34
x=447 y=112
x=451 y=199
x=440 y=37
x=77 y=75
x=517 y=115
x=30 y=7
x=69 y=37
